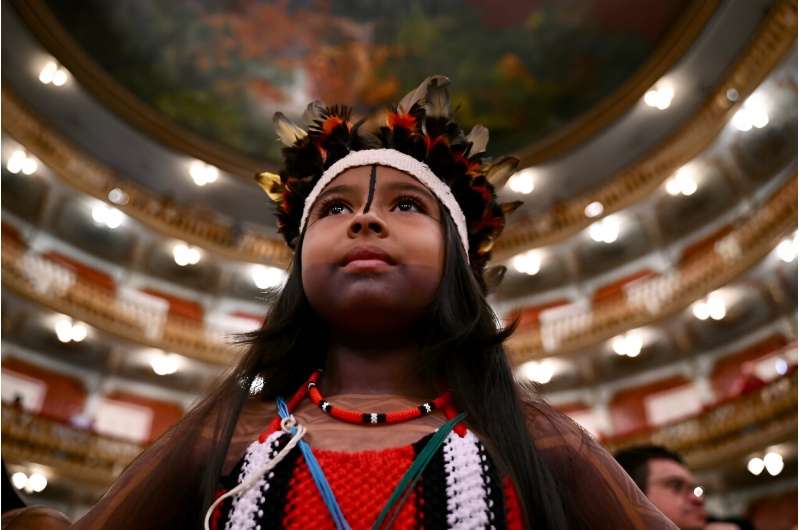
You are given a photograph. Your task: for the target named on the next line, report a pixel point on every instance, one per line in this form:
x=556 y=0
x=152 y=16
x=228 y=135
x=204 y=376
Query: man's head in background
x=663 y=476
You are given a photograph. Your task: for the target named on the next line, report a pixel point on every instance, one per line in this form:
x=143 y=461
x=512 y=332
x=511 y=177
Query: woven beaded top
x=461 y=488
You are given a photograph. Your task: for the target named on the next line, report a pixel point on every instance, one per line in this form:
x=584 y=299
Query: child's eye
x=408 y=204
x=333 y=207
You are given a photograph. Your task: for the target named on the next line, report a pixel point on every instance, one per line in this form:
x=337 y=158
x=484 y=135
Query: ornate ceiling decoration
x=237 y=77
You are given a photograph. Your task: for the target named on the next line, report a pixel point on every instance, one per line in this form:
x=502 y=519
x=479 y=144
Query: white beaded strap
x=467 y=495
x=255 y=475
x=402 y=162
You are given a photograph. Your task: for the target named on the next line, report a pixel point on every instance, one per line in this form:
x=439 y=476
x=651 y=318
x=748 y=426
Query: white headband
x=397 y=160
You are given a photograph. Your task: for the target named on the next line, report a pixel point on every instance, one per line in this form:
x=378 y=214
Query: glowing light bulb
x=755 y=466
x=53 y=74
x=752 y=114
x=117 y=196
x=20 y=161
x=781 y=366
x=185 y=255
x=19 y=480
x=537 y=371
x=522 y=182
x=787 y=250
x=108 y=216
x=79 y=331
x=203 y=173
x=164 y=364
x=593 y=209
x=605 y=230
x=36 y=483
x=265 y=277
x=529 y=262
x=681 y=183
x=659 y=97
x=773 y=462
x=47 y=72
x=627 y=345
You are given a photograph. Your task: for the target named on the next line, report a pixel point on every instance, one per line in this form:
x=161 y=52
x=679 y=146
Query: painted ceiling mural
x=222 y=67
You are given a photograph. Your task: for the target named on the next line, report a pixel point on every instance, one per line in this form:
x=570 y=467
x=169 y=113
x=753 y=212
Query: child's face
x=368 y=255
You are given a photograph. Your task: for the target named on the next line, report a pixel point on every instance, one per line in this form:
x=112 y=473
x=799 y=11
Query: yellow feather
x=271 y=184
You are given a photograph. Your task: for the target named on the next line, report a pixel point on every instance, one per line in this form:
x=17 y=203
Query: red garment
x=363 y=482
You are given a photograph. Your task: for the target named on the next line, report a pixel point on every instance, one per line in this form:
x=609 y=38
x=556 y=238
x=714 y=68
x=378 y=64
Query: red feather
x=330 y=123
x=401 y=120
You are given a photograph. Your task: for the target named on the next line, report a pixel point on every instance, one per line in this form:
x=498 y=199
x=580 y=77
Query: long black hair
x=460 y=345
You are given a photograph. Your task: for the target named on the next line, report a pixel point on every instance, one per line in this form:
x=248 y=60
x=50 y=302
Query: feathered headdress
x=423 y=138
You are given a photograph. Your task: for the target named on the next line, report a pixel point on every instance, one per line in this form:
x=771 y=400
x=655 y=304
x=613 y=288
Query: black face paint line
x=372 y=175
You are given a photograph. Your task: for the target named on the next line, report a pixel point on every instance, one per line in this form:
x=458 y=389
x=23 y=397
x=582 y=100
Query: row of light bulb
x=772 y=462
x=183 y=254
x=607 y=230
x=752 y=114
x=35 y=483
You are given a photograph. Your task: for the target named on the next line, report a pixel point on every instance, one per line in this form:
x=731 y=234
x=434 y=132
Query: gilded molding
x=774 y=39
x=102 y=309
x=726 y=431
x=77 y=454
x=665 y=294
x=88 y=175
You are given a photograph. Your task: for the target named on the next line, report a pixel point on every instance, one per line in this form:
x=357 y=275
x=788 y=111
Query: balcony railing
x=728 y=429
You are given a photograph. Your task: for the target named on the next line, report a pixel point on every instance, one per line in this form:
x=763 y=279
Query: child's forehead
x=385 y=175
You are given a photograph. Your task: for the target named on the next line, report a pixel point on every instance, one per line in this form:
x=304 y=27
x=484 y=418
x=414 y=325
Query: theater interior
x=652 y=269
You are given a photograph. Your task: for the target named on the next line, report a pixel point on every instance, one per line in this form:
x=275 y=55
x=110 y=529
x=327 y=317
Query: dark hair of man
x=634 y=460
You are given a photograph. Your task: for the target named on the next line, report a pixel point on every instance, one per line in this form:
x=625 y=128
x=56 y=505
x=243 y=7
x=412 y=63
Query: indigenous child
x=377 y=394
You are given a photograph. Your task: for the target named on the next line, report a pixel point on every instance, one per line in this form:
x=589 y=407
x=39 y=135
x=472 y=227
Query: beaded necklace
x=443 y=402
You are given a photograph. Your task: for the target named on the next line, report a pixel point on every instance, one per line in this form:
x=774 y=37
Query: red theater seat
x=627 y=407
x=65 y=395
x=85 y=272
x=615 y=288
x=704 y=244
x=165 y=414
x=11 y=233
x=729 y=369
x=529 y=316
x=179 y=307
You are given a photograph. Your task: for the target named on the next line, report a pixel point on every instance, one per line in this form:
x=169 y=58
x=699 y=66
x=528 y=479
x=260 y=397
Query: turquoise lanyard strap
x=318 y=475
x=401 y=491
x=406 y=485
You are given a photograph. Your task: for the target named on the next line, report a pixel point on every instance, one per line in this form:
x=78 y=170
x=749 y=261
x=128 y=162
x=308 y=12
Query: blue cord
x=317 y=474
